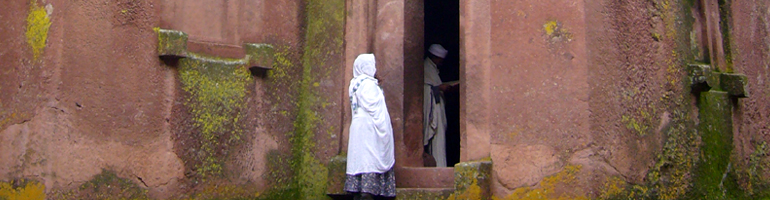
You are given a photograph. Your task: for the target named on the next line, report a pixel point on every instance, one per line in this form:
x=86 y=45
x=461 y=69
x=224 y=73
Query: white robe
x=434 y=124
x=370 y=145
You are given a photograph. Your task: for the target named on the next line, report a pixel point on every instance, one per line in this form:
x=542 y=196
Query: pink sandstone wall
x=578 y=93
x=750 y=43
x=101 y=99
x=586 y=92
x=538 y=113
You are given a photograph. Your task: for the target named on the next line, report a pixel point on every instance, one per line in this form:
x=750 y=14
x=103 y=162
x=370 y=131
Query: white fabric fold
x=370 y=145
x=434 y=119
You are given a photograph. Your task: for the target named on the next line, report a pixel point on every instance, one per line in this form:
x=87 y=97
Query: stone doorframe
x=393 y=31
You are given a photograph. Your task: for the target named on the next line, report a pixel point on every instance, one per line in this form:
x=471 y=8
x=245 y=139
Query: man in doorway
x=434 y=119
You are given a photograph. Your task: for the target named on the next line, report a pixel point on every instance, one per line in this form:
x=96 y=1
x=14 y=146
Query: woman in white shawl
x=370 y=147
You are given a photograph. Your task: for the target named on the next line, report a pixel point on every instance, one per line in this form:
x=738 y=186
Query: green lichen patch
x=756 y=175
x=638 y=126
x=725 y=25
x=171 y=42
x=215 y=98
x=106 y=185
x=262 y=55
x=38 y=23
x=323 y=37
x=734 y=84
x=224 y=189
x=336 y=177
x=640 y=110
x=472 y=180
x=22 y=190
x=424 y=193
x=711 y=175
x=613 y=187
x=671 y=176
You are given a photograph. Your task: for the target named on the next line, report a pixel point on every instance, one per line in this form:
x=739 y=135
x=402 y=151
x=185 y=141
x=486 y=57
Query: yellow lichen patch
x=216 y=91
x=30 y=191
x=550 y=27
x=639 y=126
x=37 y=29
x=546 y=189
x=555 y=32
x=473 y=191
x=283 y=63
x=613 y=187
x=759 y=165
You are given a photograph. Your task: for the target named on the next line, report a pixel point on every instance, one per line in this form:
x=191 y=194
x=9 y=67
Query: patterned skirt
x=380 y=184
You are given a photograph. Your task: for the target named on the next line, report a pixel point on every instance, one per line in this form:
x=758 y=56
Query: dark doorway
x=442 y=26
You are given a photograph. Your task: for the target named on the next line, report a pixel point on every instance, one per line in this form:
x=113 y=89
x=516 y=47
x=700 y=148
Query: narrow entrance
x=442 y=26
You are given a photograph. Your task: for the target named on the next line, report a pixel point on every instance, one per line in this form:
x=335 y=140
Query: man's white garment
x=370 y=146
x=434 y=121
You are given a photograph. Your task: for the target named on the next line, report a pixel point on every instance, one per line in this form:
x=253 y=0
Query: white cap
x=438 y=51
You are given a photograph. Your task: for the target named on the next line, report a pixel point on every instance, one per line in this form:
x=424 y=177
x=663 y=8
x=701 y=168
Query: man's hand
x=444 y=87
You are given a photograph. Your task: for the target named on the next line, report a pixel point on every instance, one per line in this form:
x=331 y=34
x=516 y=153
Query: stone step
x=425 y=177
x=423 y=193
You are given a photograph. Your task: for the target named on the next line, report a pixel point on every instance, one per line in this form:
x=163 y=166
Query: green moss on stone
x=336 y=177
x=323 y=37
x=715 y=127
x=758 y=183
x=216 y=89
x=107 y=185
x=472 y=180
x=262 y=55
x=724 y=27
x=171 y=42
x=734 y=84
x=424 y=194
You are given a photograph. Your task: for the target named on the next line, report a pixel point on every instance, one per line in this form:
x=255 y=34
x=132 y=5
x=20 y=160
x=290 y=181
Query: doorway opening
x=442 y=26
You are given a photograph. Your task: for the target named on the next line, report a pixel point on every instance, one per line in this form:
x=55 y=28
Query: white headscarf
x=364 y=68
x=370 y=145
x=364 y=65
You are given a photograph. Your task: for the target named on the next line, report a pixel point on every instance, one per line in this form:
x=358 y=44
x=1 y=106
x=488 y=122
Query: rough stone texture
x=260 y=55
x=99 y=97
x=359 y=29
x=538 y=47
x=336 y=178
x=734 y=84
x=425 y=177
x=389 y=50
x=711 y=13
x=172 y=43
x=751 y=47
x=635 y=77
x=475 y=74
x=207 y=20
x=699 y=73
x=423 y=193
x=473 y=180
x=715 y=111
x=101 y=102
x=413 y=81
x=524 y=165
